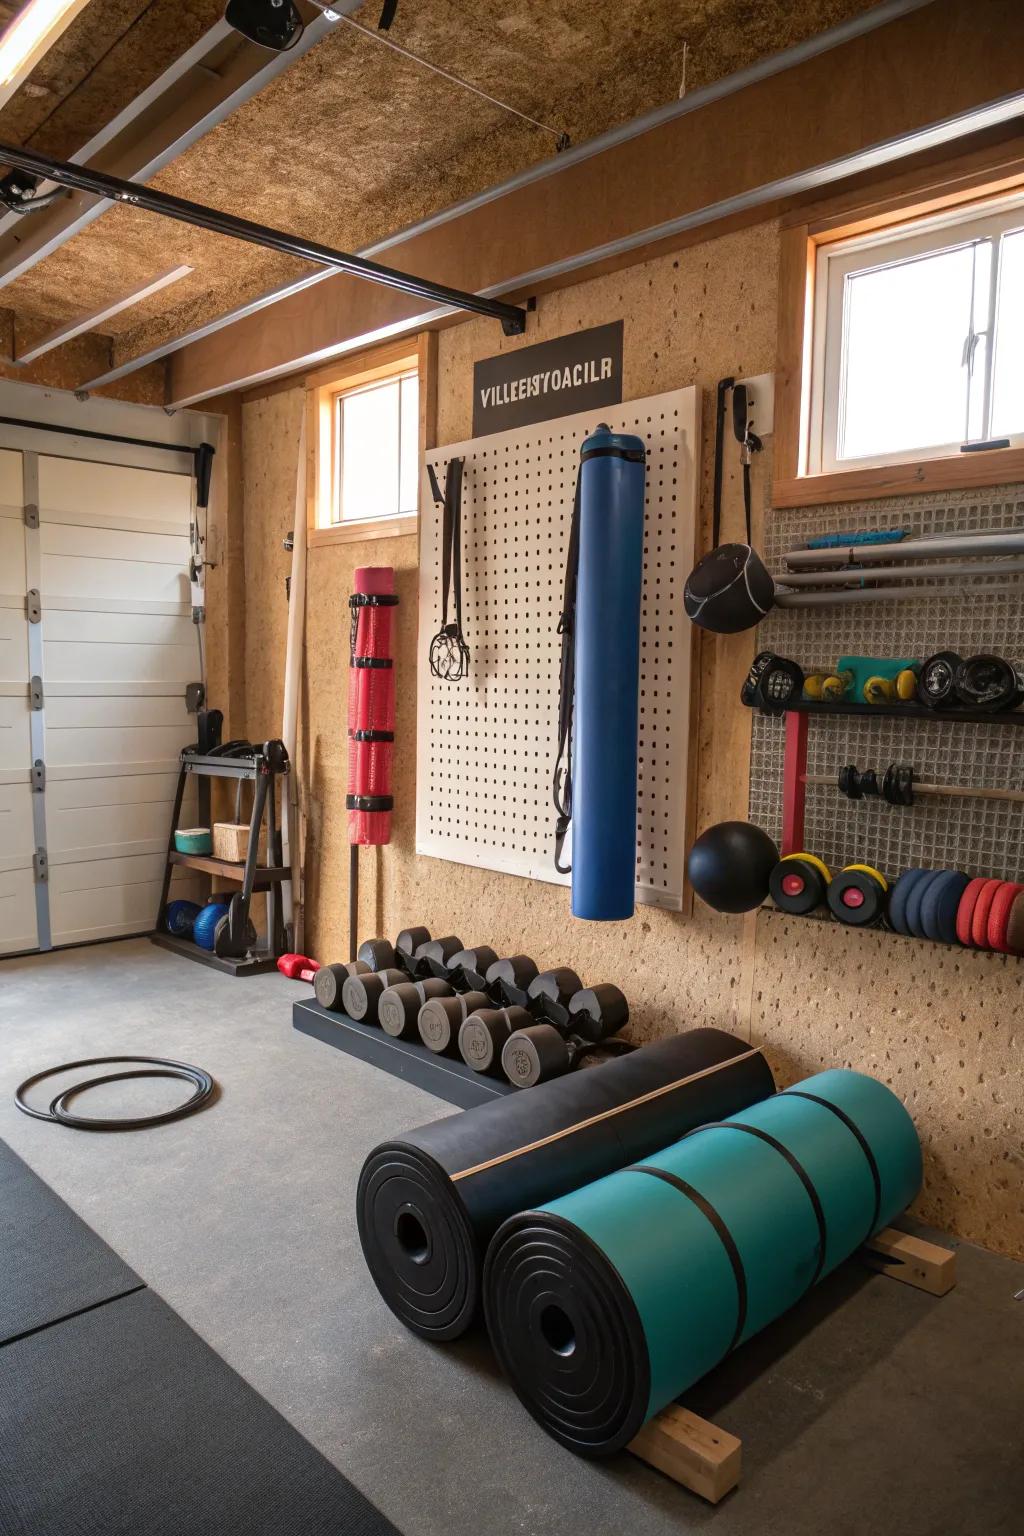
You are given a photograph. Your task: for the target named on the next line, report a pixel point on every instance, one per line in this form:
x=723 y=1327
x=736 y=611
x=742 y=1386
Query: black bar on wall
x=82 y=179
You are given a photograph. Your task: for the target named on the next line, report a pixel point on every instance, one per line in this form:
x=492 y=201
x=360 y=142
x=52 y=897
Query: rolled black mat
x=429 y=1202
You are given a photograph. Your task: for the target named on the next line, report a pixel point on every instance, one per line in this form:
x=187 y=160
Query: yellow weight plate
x=869 y=869
x=810 y=858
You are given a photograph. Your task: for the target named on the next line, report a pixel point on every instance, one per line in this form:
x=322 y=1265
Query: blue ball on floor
x=205 y=926
x=180 y=917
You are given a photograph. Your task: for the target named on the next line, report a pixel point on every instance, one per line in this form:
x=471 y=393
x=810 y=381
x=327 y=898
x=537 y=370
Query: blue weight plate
x=939 y=906
x=901 y=892
x=912 y=910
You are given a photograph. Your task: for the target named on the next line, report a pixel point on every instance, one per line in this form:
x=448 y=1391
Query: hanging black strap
x=562 y=783
x=449 y=653
x=749 y=444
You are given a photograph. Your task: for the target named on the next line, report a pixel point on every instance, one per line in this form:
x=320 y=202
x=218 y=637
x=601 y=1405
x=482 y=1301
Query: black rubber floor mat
x=122 y=1421
x=51 y=1264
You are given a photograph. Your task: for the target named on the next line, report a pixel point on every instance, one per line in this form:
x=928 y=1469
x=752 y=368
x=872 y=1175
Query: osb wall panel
x=938 y=1026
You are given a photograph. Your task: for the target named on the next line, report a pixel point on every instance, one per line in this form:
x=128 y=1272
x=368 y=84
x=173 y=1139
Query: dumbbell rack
x=250 y=875
x=797 y=724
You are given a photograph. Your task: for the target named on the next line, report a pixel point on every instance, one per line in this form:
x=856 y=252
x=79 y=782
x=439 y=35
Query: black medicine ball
x=730 y=865
x=729 y=590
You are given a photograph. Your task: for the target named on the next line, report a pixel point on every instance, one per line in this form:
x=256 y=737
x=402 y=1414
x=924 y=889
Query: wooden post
x=913 y=1260
x=694 y=1453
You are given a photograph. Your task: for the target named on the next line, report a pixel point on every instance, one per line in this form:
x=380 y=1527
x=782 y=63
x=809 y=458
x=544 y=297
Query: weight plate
x=900 y=896
x=1015 y=927
x=912 y=910
x=965 y=911
x=856 y=898
x=985 y=682
x=869 y=869
x=983 y=906
x=939 y=906
x=796 y=886
x=935 y=681
x=810 y=858
x=999 y=916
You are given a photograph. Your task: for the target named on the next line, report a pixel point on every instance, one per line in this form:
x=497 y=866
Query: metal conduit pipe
x=989 y=542
x=884 y=594
x=847 y=578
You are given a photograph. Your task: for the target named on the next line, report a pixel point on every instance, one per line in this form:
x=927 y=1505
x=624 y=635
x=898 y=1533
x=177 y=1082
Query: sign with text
x=579 y=372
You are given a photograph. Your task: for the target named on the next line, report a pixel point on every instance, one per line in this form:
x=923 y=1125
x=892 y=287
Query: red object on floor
x=297 y=967
x=371 y=705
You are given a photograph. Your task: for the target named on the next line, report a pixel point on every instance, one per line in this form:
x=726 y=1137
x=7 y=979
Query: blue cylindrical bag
x=606 y=639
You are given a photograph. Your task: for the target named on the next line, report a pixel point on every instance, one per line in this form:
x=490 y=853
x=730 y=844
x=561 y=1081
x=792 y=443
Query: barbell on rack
x=898 y=786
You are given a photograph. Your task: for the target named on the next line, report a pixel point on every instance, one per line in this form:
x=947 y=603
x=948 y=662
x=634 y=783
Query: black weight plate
x=796 y=886
x=901 y=893
x=939 y=906
x=855 y=898
x=936 y=678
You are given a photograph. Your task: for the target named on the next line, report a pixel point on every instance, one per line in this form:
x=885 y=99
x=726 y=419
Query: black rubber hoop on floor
x=154 y=1066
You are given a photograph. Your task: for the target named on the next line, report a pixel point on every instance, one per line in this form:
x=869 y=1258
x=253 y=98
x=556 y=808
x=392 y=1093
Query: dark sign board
x=579 y=372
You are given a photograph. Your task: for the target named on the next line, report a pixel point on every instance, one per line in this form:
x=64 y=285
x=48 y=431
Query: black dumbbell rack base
x=254 y=965
x=444 y=1076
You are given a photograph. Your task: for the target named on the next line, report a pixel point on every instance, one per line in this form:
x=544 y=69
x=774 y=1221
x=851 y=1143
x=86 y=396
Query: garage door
x=114 y=650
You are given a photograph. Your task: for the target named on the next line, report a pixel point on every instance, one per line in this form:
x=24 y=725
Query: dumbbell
x=399 y=1006
x=799 y=883
x=330 y=980
x=483 y=1033
x=550 y=993
x=441 y=1018
x=508 y=980
x=892 y=690
x=377 y=954
x=297 y=967
x=361 y=994
x=406 y=945
x=595 y=1013
x=431 y=958
x=540 y=1052
x=857 y=895
x=467 y=970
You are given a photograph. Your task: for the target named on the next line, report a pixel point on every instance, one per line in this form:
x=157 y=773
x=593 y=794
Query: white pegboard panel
x=486 y=746
x=980 y=836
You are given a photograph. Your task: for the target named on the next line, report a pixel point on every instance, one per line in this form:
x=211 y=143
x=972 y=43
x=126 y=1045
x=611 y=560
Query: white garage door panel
x=13 y=640
x=17 y=911
x=126 y=716
x=116 y=824
x=15 y=741
x=73 y=485
x=99 y=790
x=99 y=747
x=86 y=579
x=93 y=909
x=16 y=840
x=115 y=544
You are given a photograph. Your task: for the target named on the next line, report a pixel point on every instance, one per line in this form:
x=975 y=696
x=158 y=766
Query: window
x=917 y=340
x=370 y=419
x=377 y=436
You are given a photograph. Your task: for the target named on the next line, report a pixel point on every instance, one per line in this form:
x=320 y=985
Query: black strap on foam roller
x=453 y=1182
x=561 y=786
x=371 y=735
x=369 y=802
x=862 y=1141
x=375 y=663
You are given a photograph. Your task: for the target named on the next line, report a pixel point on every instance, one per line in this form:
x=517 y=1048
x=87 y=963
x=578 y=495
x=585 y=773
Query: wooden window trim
x=916 y=194
x=322 y=388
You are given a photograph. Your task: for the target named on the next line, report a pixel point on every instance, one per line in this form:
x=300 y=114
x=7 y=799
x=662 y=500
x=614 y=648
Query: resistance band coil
x=152 y=1066
x=449 y=653
x=371 y=706
x=594 y=785
x=608 y=1302
x=429 y=1202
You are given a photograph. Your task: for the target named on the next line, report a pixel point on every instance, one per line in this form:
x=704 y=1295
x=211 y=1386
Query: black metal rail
x=82 y=179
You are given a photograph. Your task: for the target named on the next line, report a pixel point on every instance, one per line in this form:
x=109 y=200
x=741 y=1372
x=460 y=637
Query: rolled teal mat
x=606 y=1304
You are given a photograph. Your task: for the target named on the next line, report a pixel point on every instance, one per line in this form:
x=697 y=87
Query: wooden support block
x=691 y=1451
x=912 y=1260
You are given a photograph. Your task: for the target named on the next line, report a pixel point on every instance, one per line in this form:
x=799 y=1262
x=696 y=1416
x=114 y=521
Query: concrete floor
x=873 y=1407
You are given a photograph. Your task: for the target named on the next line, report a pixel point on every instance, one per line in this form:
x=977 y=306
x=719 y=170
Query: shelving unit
x=233 y=955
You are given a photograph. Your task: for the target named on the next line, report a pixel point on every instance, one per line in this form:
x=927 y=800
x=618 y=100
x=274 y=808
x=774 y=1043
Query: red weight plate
x=1015 y=927
x=965 y=911
x=982 y=908
x=999 y=915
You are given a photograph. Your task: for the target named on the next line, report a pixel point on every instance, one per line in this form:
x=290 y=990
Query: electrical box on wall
x=760 y=403
x=486 y=745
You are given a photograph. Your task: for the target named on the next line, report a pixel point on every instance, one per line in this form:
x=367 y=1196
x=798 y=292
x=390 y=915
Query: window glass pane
x=368 y=440
x=409 y=469
x=1008 y=381
x=903 y=381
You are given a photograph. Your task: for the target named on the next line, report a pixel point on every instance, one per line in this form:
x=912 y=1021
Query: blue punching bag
x=600 y=676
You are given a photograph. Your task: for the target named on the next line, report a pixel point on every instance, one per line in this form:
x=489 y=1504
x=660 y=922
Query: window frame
x=908 y=200
x=408 y=355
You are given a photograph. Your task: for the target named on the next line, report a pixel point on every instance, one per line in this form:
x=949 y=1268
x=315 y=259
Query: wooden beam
x=822 y=110
x=913 y=1260
x=694 y=1453
x=95 y=319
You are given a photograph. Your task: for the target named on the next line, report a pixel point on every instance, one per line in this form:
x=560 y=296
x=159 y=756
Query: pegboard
x=486 y=746
x=984 y=837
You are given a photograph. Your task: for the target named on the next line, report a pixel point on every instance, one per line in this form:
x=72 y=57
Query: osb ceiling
x=352 y=142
